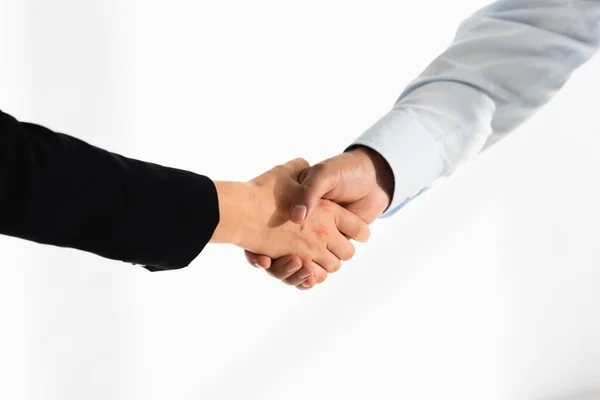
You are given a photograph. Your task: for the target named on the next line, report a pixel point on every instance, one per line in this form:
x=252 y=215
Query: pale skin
x=256 y=216
x=360 y=180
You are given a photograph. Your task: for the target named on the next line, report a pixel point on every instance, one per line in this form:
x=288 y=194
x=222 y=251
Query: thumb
x=317 y=182
x=296 y=167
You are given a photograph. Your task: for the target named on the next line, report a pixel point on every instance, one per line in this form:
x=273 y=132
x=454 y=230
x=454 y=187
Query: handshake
x=296 y=221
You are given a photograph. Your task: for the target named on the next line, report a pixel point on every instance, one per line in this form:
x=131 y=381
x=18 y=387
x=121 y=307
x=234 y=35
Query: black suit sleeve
x=58 y=190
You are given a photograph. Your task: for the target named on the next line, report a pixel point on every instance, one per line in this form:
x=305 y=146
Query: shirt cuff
x=414 y=155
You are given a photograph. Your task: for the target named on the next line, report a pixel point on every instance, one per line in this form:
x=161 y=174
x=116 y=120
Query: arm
x=58 y=190
x=507 y=60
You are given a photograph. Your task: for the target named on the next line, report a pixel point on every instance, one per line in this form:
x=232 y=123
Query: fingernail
x=299 y=212
x=305 y=285
x=257 y=265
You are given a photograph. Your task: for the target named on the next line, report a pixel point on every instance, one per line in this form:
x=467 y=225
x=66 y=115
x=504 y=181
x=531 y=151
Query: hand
x=261 y=222
x=359 y=179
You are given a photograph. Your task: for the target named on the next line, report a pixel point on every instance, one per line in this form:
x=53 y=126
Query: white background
x=484 y=288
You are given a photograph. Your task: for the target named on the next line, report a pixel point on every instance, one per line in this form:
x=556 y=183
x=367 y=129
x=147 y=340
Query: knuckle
x=331 y=269
x=359 y=227
x=279 y=169
x=334 y=266
x=322 y=234
x=315 y=247
x=319 y=168
x=350 y=253
x=301 y=162
x=320 y=273
x=321 y=278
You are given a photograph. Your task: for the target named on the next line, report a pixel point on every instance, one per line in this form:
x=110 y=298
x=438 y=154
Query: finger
x=307 y=284
x=329 y=262
x=364 y=210
x=320 y=273
x=341 y=247
x=257 y=260
x=296 y=166
x=298 y=277
x=319 y=276
x=320 y=180
x=285 y=267
x=351 y=225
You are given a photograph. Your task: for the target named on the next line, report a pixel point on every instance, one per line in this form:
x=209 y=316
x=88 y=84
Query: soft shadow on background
x=485 y=288
x=583 y=395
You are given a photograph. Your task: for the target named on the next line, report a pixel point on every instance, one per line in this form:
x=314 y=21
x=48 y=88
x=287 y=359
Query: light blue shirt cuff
x=414 y=155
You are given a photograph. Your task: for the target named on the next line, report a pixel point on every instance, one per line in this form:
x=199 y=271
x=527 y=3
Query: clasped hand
x=298 y=220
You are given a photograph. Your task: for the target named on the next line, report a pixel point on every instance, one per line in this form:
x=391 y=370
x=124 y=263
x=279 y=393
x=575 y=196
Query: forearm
x=506 y=61
x=58 y=190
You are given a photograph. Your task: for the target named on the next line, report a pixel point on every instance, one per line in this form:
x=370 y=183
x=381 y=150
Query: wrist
x=384 y=175
x=235 y=211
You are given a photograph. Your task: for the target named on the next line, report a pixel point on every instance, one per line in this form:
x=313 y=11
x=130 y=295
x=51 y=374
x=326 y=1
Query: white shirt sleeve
x=506 y=61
